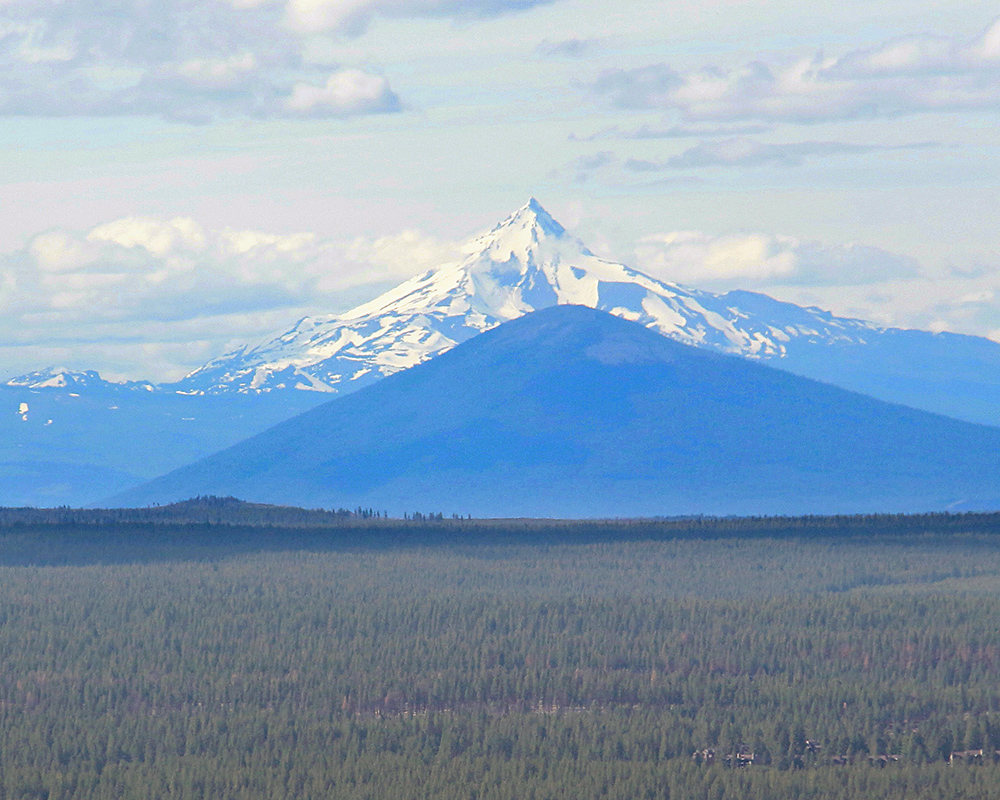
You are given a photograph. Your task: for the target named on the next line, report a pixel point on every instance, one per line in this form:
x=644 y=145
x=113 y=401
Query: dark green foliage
x=321 y=666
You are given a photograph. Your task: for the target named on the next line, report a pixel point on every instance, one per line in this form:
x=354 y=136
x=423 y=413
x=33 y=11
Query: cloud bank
x=853 y=280
x=353 y=16
x=196 y=60
x=738 y=152
x=744 y=152
x=757 y=259
x=137 y=284
x=909 y=75
x=142 y=297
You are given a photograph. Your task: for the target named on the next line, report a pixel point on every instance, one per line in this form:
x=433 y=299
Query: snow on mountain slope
x=526 y=263
x=62 y=378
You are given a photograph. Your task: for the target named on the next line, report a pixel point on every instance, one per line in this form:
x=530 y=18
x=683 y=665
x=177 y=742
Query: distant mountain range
x=527 y=262
x=70 y=438
x=88 y=381
x=572 y=412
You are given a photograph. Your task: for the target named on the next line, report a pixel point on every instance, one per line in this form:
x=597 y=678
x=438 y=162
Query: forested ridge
x=377 y=527
x=136 y=663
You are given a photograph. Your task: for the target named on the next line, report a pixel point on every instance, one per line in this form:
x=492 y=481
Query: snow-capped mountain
x=62 y=378
x=526 y=263
x=67 y=438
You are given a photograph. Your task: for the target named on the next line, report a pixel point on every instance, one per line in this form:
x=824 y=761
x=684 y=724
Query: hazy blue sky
x=180 y=175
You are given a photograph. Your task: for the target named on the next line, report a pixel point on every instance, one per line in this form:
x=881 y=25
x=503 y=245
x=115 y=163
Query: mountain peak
x=532 y=215
x=63 y=378
x=54 y=378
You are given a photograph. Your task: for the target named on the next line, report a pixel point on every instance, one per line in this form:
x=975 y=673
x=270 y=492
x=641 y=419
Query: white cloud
x=756 y=259
x=195 y=60
x=188 y=60
x=903 y=76
x=935 y=302
x=158 y=237
x=311 y=16
x=741 y=151
x=146 y=282
x=645 y=132
x=352 y=16
x=217 y=73
x=349 y=91
x=851 y=280
x=729 y=153
x=58 y=251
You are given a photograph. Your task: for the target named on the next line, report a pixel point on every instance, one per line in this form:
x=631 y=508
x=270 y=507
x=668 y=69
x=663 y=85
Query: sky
x=178 y=177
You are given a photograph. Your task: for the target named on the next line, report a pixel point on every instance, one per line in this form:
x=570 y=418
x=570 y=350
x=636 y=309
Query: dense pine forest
x=216 y=650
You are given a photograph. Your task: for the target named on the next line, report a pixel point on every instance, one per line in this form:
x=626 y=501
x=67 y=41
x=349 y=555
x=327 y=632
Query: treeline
x=437 y=526
x=200 y=510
